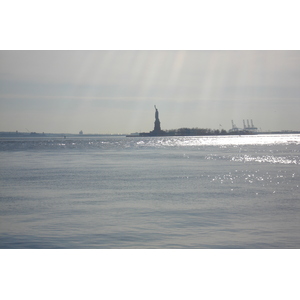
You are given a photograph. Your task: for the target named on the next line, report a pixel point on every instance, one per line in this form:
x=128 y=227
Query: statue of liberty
x=156 y=113
x=157 y=122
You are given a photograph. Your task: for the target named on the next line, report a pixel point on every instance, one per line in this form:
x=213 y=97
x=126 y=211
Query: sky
x=113 y=92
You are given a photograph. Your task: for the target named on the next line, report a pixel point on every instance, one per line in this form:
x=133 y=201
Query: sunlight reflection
x=225 y=141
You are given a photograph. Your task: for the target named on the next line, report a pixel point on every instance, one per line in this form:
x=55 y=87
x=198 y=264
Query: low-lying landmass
x=157 y=131
x=208 y=132
x=61 y=135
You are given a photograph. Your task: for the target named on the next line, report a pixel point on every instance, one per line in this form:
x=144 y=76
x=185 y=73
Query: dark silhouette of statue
x=156 y=122
x=156 y=113
x=157 y=130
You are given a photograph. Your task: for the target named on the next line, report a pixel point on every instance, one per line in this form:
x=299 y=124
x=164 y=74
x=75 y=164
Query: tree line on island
x=185 y=131
x=195 y=131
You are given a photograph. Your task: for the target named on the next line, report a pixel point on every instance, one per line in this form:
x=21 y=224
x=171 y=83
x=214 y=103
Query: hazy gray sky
x=115 y=91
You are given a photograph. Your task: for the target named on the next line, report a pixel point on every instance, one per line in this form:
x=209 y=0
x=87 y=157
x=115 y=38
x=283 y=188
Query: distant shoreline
x=225 y=134
x=58 y=135
x=70 y=135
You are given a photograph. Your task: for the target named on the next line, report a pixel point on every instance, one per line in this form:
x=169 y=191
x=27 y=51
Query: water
x=159 y=192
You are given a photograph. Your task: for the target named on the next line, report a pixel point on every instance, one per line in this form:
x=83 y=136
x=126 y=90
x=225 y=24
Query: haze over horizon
x=115 y=91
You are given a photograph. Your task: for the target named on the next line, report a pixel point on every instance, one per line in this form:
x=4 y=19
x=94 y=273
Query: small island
x=177 y=132
x=247 y=130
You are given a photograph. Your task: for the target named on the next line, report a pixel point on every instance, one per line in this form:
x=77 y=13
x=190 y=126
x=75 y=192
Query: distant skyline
x=115 y=91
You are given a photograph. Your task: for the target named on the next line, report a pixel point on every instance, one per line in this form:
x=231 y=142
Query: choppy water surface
x=160 y=192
